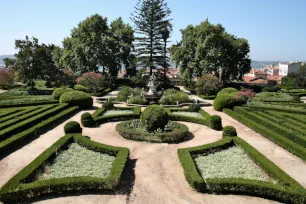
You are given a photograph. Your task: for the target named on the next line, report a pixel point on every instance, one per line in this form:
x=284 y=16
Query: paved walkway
x=154 y=174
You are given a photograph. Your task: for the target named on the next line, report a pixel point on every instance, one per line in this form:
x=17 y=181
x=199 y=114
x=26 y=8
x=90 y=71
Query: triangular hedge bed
x=287 y=190
x=22 y=186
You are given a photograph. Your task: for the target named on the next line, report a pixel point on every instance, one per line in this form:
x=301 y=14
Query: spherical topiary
x=57 y=93
x=87 y=120
x=224 y=101
x=77 y=98
x=80 y=88
x=154 y=117
x=215 y=122
x=194 y=108
x=229 y=131
x=108 y=105
x=72 y=127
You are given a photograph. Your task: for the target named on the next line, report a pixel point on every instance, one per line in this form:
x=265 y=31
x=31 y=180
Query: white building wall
x=283 y=69
x=294 y=67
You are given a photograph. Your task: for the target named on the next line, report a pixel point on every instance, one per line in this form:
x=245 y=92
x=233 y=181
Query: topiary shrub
x=215 y=122
x=229 y=131
x=227 y=91
x=138 y=100
x=108 y=105
x=87 y=120
x=224 y=101
x=29 y=83
x=154 y=117
x=77 y=98
x=80 y=88
x=57 y=93
x=72 y=127
x=194 y=108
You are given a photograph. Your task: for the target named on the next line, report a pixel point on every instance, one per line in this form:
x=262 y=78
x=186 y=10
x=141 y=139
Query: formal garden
x=74 y=129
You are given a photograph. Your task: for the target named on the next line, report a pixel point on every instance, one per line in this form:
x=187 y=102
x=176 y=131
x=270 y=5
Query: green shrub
x=29 y=83
x=170 y=91
x=72 y=127
x=108 y=105
x=194 y=108
x=229 y=131
x=270 y=89
x=172 y=99
x=57 y=93
x=124 y=93
x=288 y=83
x=229 y=90
x=80 y=88
x=138 y=100
x=87 y=120
x=154 y=117
x=77 y=98
x=215 y=122
x=224 y=101
x=208 y=85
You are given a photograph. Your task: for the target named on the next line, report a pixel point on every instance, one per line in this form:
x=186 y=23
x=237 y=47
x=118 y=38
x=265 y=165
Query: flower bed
x=134 y=130
x=129 y=113
x=24 y=185
x=286 y=189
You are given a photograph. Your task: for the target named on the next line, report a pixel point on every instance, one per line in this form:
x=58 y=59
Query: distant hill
x=5 y=56
x=261 y=64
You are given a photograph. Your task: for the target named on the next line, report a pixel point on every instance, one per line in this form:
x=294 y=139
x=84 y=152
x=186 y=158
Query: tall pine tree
x=150 y=18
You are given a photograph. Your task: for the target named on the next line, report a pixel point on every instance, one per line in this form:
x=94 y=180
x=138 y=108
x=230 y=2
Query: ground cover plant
x=188 y=114
x=22 y=124
x=284 y=126
x=275 y=185
x=174 y=97
x=78 y=161
x=117 y=112
x=25 y=184
x=273 y=96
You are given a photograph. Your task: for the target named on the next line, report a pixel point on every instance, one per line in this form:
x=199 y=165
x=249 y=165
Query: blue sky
x=276 y=29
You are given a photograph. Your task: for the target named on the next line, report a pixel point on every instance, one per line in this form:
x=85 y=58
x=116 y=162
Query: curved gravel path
x=154 y=174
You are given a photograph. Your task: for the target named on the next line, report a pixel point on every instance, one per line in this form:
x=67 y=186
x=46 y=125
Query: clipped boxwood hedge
x=57 y=93
x=22 y=186
x=79 y=87
x=99 y=118
x=287 y=190
x=72 y=127
x=77 y=98
x=177 y=135
x=229 y=131
x=87 y=120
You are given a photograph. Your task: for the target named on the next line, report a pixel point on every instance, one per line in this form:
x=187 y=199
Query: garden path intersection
x=154 y=173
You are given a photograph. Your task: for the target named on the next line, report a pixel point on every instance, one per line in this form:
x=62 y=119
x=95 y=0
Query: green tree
x=149 y=18
x=9 y=62
x=288 y=83
x=28 y=59
x=300 y=76
x=209 y=49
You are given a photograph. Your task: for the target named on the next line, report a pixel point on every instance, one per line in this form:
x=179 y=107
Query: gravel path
x=154 y=174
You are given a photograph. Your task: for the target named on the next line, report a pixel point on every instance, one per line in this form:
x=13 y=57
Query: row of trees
x=96 y=46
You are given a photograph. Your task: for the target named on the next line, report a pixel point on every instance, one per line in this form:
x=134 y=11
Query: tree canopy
x=209 y=49
x=152 y=23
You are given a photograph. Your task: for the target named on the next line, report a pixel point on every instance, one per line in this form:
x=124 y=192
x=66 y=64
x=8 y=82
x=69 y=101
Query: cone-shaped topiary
x=215 y=122
x=87 y=120
x=57 y=93
x=154 y=117
x=229 y=131
x=72 y=127
x=77 y=98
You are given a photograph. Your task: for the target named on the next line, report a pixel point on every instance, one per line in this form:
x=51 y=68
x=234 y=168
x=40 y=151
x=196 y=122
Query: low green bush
x=78 y=87
x=230 y=91
x=124 y=93
x=138 y=100
x=57 y=93
x=271 y=89
x=224 y=101
x=77 y=98
x=154 y=117
x=229 y=131
x=72 y=127
x=215 y=122
x=22 y=187
x=100 y=118
x=87 y=120
x=108 y=105
x=173 y=99
x=194 y=108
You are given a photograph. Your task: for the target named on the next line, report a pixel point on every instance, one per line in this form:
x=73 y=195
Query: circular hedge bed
x=77 y=98
x=176 y=133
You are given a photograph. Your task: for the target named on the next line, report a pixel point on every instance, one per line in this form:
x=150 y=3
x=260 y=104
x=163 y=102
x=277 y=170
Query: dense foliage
x=77 y=98
x=87 y=120
x=208 y=85
x=94 y=82
x=6 y=77
x=194 y=108
x=173 y=96
x=288 y=83
x=154 y=117
x=72 y=127
x=57 y=93
x=80 y=88
x=215 y=122
x=229 y=131
x=108 y=105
